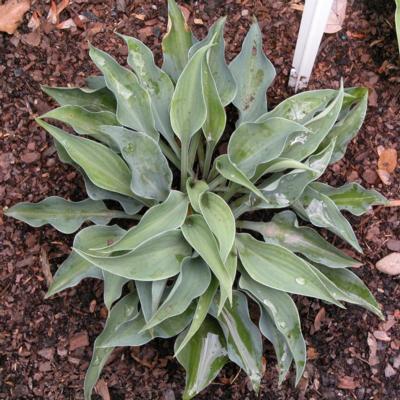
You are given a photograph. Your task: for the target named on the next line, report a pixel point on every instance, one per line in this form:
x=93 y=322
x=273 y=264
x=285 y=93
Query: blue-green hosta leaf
x=354 y=288
x=157 y=83
x=113 y=285
x=191 y=283
x=215 y=122
x=156 y=259
x=131 y=333
x=281 y=308
x=75 y=268
x=133 y=102
x=285 y=231
x=199 y=236
x=91 y=99
x=176 y=42
x=95 y=82
x=220 y=220
x=230 y=172
x=301 y=145
x=280 y=269
x=202 y=308
x=348 y=126
x=203 y=357
x=255 y=143
x=85 y=122
x=282 y=190
x=351 y=197
x=280 y=164
x=125 y=310
x=253 y=73
x=71 y=272
x=282 y=351
x=157 y=220
x=150 y=295
x=151 y=175
x=64 y=215
x=301 y=107
x=243 y=338
x=221 y=73
x=188 y=107
x=321 y=211
x=131 y=206
x=194 y=190
x=103 y=167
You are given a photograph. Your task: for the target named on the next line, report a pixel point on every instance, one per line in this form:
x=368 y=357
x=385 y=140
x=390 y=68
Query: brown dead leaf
x=336 y=17
x=373 y=348
x=44 y=261
x=347 y=383
x=388 y=160
x=11 y=14
x=319 y=318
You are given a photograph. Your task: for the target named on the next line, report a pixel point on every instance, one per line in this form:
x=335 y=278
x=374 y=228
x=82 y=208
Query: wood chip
x=44 y=262
x=382 y=336
x=319 y=318
x=198 y=21
x=347 y=383
x=80 y=339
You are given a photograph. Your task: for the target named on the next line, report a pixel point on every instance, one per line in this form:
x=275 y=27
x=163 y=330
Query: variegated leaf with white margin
x=133 y=102
x=151 y=175
x=157 y=220
x=321 y=211
x=282 y=310
x=221 y=73
x=191 y=283
x=176 y=42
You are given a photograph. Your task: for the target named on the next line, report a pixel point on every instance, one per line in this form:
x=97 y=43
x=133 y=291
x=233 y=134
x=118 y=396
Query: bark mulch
x=45 y=346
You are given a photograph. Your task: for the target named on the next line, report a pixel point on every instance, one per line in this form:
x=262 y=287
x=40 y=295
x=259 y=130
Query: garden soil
x=45 y=345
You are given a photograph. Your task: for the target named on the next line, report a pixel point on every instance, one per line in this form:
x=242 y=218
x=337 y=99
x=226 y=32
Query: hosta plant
x=197 y=254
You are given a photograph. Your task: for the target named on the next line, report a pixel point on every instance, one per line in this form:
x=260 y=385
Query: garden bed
x=45 y=346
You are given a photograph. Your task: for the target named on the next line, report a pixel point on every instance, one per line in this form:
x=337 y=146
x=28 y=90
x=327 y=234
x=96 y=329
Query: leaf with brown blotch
x=11 y=14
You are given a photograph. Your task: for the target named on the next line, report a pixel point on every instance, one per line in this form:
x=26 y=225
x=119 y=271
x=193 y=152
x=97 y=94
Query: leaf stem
x=184 y=163
x=233 y=189
x=207 y=162
x=169 y=153
x=219 y=180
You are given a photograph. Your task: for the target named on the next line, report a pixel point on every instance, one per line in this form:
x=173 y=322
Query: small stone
x=370 y=176
x=198 y=21
x=389 y=371
x=29 y=158
x=169 y=395
x=245 y=13
x=393 y=245
x=390 y=264
x=45 y=366
x=353 y=176
x=81 y=339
